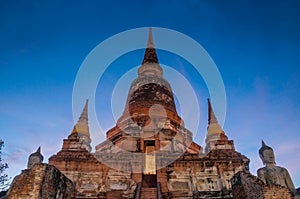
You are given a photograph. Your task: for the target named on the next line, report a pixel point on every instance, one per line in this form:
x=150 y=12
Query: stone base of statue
x=248 y=186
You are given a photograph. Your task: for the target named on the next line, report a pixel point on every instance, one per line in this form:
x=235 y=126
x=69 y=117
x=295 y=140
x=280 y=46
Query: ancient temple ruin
x=147 y=154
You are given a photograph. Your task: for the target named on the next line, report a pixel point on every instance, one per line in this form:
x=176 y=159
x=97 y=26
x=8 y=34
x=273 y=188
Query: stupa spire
x=211 y=115
x=84 y=115
x=214 y=128
x=81 y=128
x=215 y=137
x=150 y=65
x=82 y=124
x=150 y=53
x=150 y=43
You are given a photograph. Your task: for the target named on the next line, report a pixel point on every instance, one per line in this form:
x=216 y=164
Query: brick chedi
x=76 y=161
x=147 y=154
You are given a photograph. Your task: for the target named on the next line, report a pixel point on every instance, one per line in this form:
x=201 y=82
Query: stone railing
x=138 y=191
x=159 y=194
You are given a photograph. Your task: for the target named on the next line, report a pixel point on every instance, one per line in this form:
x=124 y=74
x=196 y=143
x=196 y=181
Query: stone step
x=148 y=193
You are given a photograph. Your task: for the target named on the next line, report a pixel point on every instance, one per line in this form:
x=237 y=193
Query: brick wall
x=276 y=192
x=41 y=182
x=248 y=186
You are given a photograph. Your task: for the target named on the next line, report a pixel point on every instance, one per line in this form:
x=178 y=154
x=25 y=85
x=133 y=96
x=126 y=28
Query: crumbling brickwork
x=248 y=186
x=276 y=192
x=43 y=181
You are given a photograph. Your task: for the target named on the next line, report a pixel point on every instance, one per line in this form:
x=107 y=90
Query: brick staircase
x=149 y=187
x=149 y=193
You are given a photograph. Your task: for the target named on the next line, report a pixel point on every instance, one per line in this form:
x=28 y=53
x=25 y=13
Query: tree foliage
x=3 y=166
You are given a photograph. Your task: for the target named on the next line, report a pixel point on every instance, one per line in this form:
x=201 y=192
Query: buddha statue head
x=266 y=154
x=35 y=158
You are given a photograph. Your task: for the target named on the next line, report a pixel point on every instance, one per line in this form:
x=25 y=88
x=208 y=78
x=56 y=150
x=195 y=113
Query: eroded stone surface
x=42 y=181
x=247 y=186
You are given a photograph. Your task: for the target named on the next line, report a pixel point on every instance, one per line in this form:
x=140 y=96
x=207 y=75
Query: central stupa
x=149 y=153
x=150 y=121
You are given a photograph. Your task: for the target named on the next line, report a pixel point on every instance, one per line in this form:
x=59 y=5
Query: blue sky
x=255 y=45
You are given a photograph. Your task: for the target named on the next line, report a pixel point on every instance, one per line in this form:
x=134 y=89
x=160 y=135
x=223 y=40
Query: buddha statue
x=272 y=174
x=35 y=158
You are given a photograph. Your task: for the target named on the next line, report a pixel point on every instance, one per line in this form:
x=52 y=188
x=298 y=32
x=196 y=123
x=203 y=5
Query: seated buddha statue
x=272 y=174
